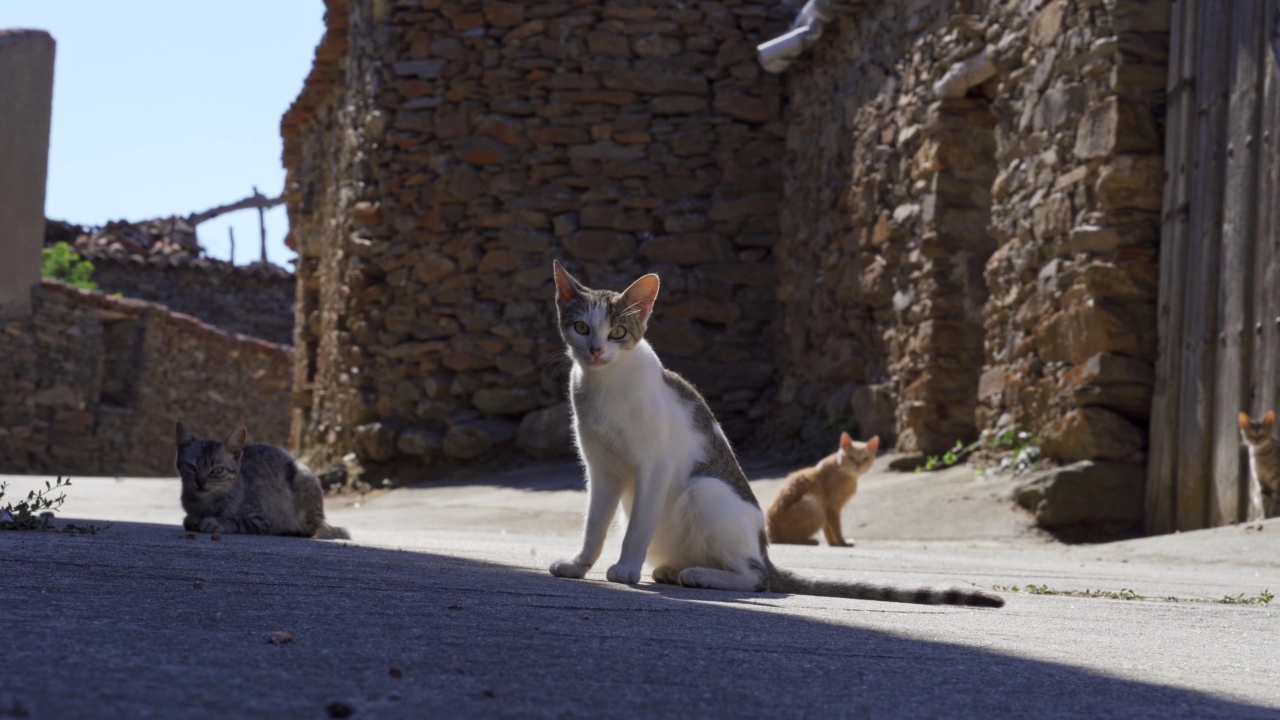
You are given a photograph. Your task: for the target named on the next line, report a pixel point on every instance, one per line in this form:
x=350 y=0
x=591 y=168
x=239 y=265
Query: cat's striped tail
x=329 y=532
x=785 y=581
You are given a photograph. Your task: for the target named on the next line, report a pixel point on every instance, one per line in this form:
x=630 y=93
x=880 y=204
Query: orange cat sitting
x=813 y=497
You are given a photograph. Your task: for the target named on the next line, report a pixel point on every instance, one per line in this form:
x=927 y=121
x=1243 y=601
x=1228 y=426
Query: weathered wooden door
x=1219 y=312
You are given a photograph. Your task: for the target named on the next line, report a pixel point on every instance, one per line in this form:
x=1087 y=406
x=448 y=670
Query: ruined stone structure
x=442 y=154
x=92 y=384
x=943 y=218
x=254 y=300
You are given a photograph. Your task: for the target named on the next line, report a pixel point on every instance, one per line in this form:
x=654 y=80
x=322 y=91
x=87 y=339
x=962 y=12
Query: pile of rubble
x=172 y=238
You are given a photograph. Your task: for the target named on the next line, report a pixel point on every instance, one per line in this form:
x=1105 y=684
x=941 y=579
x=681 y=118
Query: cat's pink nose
x=596 y=352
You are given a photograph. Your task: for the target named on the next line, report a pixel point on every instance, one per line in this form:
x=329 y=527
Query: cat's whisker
x=555 y=364
x=632 y=309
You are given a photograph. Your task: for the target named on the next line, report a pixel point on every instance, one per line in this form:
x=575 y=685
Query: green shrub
x=60 y=262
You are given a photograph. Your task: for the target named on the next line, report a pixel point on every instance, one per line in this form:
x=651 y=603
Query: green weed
x=35 y=512
x=1020 y=450
x=60 y=262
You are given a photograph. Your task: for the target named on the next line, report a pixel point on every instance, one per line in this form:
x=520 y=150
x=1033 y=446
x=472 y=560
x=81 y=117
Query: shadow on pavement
x=114 y=625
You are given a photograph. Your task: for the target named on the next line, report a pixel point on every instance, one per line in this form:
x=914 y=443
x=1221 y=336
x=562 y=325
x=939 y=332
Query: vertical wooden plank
x=1265 y=378
x=1235 y=299
x=1195 y=444
x=1161 y=516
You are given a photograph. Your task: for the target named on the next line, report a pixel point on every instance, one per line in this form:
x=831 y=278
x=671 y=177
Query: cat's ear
x=1269 y=419
x=846 y=442
x=641 y=295
x=235 y=442
x=1244 y=420
x=874 y=444
x=567 y=288
x=183 y=435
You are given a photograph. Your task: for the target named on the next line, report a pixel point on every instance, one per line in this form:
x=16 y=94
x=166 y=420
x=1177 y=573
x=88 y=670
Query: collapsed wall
x=160 y=261
x=442 y=154
x=93 y=384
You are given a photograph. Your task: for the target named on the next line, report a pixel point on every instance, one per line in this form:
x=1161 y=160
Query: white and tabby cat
x=649 y=442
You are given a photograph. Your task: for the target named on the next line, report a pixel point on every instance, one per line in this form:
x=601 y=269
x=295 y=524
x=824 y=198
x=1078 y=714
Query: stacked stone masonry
x=942 y=219
x=92 y=384
x=443 y=153
x=251 y=300
x=970 y=231
x=254 y=300
x=990 y=255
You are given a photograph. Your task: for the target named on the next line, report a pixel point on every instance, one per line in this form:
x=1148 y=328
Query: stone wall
x=442 y=154
x=252 y=300
x=971 y=225
x=942 y=219
x=92 y=384
x=884 y=228
x=160 y=261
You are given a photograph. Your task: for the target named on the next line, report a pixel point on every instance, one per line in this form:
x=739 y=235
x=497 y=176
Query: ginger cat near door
x=812 y=498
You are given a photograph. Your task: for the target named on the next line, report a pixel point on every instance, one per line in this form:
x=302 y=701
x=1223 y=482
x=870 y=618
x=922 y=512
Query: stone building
x=442 y=153
x=942 y=217
x=973 y=216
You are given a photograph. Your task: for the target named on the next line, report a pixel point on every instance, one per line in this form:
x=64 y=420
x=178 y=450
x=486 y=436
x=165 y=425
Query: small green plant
x=35 y=512
x=1021 y=452
x=60 y=262
x=1264 y=598
x=1025 y=450
x=948 y=458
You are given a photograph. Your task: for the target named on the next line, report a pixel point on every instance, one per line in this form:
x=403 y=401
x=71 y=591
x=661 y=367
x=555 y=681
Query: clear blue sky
x=164 y=107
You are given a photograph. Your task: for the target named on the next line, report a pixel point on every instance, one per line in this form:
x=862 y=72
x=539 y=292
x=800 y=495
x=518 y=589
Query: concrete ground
x=441 y=606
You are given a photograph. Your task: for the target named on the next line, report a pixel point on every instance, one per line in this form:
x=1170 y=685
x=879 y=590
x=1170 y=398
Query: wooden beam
x=1235 y=299
x=1165 y=428
x=1199 y=352
x=256 y=200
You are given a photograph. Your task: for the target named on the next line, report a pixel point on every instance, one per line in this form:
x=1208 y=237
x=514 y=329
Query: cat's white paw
x=210 y=525
x=569 y=569
x=695 y=578
x=623 y=574
x=666 y=575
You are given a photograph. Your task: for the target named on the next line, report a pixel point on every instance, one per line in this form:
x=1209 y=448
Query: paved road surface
x=446 y=587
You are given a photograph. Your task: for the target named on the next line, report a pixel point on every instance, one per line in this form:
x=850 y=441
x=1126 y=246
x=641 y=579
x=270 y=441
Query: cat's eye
x=618 y=333
x=188 y=468
x=217 y=472
x=582 y=328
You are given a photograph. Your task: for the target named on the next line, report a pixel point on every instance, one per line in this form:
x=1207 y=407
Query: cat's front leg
x=191 y=523
x=213 y=525
x=603 y=494
x=254 y=524
x=832 y=530
x=646 y=513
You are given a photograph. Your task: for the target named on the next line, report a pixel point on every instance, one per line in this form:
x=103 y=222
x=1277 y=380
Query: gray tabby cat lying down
x=230 y=487
x=650 y=443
